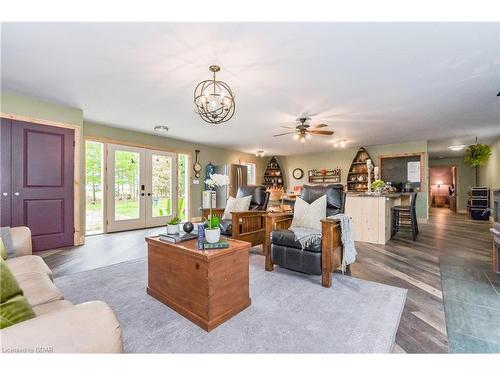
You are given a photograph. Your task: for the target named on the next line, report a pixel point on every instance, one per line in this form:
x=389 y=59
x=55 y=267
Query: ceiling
x=373 y=83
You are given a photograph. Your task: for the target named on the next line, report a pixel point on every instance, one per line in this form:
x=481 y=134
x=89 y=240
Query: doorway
x=141 y=187
x=443 y=183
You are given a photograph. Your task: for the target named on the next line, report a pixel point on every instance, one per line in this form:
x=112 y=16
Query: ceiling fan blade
x=279 y=135
x=320 y=126
x=287 y=127
x=321 y=132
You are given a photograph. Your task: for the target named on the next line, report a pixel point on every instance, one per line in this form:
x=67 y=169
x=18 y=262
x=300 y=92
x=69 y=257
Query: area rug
x=290 y=313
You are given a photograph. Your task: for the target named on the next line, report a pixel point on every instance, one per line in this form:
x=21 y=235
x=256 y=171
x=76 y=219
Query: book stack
x=218 y=245
x=176 y=238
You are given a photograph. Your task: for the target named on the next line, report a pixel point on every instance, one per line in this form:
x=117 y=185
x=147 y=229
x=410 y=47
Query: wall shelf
x=273 y=176
x=359 y=169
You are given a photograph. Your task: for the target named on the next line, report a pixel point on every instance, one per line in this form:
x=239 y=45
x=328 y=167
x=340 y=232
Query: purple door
x=5 y=165
x=42 y=183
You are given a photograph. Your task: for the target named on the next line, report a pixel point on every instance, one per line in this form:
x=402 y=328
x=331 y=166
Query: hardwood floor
x=446 y=239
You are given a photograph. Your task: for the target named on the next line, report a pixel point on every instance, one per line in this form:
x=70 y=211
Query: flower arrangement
x=215 y=180
x=377 y=185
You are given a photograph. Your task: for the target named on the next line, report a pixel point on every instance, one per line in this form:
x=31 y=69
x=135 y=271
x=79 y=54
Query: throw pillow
x=309 y=215
x=236 y=205
x=14 y=307
x=7 y=241
x=3 y=252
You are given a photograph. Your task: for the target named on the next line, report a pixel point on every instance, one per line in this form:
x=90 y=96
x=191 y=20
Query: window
x=93 y=187
x=251 y=172
x=183 y=187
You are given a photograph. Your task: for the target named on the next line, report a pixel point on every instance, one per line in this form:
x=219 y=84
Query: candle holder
x=369 y=167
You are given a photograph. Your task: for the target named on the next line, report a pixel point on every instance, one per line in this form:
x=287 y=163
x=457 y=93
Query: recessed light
x=161 y=129
x=456 y=147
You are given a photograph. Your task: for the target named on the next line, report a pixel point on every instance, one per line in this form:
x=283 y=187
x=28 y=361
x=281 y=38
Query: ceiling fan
x=304 y=130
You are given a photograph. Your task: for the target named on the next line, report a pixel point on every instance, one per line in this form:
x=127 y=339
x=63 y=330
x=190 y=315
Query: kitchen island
x=371 y=215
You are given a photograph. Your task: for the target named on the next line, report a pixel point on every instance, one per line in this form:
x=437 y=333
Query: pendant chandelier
x=214 y=100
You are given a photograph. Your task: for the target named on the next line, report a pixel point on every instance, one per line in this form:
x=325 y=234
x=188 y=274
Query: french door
x=141 y=187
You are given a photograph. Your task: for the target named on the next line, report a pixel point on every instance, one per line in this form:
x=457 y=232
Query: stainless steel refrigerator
x=237 y=177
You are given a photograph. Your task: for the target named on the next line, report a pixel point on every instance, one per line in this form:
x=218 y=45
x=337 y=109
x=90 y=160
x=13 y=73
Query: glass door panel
x=126 y=192
x=161 y=186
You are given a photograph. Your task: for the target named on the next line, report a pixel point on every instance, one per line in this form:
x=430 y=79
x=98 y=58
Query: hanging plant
x=476 y=155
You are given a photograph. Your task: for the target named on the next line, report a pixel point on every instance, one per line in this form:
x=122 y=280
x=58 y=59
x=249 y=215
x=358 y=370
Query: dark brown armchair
x=247 y=225
x=323 y=258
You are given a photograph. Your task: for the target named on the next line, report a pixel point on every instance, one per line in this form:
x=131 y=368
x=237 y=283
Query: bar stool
x=405 y=217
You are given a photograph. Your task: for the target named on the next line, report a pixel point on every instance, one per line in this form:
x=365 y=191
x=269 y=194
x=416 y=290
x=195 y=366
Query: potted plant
x=377 y=186
x=212 y=232
x=477 y=155
x=173 y=225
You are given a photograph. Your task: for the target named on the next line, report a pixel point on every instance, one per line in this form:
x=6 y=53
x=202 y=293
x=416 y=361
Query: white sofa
x=59 y=326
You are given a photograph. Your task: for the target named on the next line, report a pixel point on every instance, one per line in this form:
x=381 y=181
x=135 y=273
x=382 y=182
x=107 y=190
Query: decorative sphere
x=188 y=227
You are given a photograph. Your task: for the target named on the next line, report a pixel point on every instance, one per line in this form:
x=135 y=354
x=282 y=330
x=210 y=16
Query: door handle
x=142 y=194
x=5 y=194
x=16 y=193
x=149 y=194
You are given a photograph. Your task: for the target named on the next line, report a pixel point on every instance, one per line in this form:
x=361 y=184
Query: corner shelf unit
x=273 y=176
x=357 y=178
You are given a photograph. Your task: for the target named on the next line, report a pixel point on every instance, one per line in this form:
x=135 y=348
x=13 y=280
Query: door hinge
x=74 y=143
x=74 y=230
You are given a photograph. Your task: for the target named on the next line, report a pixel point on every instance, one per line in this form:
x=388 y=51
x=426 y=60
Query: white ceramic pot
x=172 y=228
x=212 y=235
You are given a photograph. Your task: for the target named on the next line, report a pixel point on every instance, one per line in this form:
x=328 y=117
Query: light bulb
x=308 y=135
x=303 y=140
x=342 y=143
x=296 y=136
x=335 y=144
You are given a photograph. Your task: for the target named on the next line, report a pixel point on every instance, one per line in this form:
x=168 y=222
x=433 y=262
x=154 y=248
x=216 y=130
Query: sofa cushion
x=286 y=238
x=7 y=241
x=3 y=251
x=49 y=307
x=14 y=307
x=335 y=196
x=38 y=288
x=28 y=264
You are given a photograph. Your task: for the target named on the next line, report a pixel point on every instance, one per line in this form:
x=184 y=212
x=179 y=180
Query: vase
x=172 y=228
x=212 y=235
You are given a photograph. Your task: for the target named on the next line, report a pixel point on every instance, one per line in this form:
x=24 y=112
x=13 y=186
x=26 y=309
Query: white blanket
x=308 y=236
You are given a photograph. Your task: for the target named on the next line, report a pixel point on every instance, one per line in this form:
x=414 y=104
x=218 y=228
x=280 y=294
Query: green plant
x=213 y=223
x=377 y=184
x=476 y=155
x=175 y=220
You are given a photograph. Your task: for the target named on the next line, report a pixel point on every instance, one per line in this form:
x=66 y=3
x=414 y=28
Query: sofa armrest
x=331 y=249
x=274 y=221
x=89 y=327
x=21 y=240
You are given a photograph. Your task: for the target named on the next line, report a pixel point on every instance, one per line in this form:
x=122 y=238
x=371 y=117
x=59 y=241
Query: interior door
x=5 y=167
x=42 y=183
x=126 y=189
x=161 y=187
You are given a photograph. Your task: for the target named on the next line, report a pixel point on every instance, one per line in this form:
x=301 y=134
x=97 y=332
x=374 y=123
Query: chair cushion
x=287 y=238
x=309 y=215
x=38 y=288
x=236 y=205
x=226 y=227
x=28 y=264
x=296 y=259
x=335 y=196
x=258 y=193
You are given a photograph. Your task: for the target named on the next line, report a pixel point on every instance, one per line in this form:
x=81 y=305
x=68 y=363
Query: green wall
x=466 y=178
x=207 y=154
x=343 y=157
x=489 y=175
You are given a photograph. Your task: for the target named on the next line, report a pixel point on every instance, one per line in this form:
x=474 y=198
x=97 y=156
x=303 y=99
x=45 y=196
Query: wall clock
x=197 y=165
x=298 y=173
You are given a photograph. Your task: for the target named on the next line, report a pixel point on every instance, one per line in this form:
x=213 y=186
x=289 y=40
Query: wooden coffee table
x=207 y=287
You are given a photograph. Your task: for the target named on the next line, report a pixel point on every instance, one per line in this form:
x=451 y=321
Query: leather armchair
x=322 y=258
x=246 y=225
